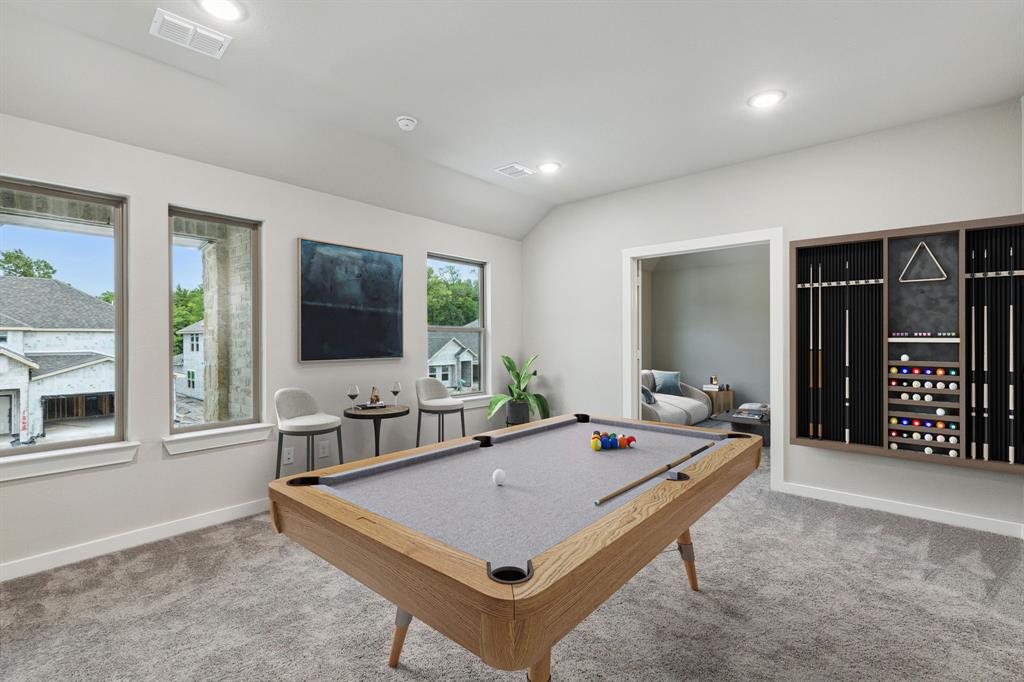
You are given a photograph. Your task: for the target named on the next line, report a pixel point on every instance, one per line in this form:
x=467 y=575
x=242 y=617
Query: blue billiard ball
x=904 y=370
x=905 y=422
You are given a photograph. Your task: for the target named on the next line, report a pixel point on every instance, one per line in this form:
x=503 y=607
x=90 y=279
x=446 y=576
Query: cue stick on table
x=657 y=472
x=984 y=358
x=1011 y=411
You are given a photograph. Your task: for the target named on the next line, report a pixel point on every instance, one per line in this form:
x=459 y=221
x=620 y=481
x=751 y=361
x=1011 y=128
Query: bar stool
x=432 y=398
x=299 y=415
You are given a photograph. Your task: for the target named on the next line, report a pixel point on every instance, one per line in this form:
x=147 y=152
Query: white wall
x=49 y=513
x=710 y=313
x=957 y=167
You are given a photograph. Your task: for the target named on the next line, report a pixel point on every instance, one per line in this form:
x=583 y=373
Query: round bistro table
x=377 y=414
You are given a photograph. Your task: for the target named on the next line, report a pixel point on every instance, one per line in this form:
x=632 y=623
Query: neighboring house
x=56 y=356
x=452 y=360
x=188 y=367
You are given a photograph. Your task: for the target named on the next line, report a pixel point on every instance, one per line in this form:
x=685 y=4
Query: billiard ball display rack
x=908 y=343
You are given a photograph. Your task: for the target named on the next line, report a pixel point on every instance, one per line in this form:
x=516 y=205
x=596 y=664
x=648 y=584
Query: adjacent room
x=489 y=340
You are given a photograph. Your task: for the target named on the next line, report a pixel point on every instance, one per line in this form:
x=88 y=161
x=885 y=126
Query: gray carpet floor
x=790 y=589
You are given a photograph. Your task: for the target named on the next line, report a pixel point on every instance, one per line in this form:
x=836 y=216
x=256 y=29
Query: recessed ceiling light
x=767 y=99
x=549 y=167
x=227 y=10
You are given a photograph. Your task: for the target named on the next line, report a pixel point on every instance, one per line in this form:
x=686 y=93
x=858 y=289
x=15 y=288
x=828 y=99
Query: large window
x=214 y=320
x=61 y=324
x=456 y=323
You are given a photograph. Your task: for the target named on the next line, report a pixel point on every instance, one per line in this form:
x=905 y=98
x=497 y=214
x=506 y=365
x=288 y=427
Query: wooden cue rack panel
x=909 y=343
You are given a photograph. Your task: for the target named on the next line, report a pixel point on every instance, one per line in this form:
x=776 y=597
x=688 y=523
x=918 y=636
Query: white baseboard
x=132 y=538
x=1011 y=528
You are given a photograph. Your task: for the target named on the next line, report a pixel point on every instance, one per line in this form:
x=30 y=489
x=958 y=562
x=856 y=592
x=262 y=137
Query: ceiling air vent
x=187 y=33
x=515 y=170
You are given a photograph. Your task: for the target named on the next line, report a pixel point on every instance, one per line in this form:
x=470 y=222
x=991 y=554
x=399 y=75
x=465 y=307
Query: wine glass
x=353 y=393
x=396 y=388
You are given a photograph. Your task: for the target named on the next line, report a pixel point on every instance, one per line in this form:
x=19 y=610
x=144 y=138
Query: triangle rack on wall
x=903 y=275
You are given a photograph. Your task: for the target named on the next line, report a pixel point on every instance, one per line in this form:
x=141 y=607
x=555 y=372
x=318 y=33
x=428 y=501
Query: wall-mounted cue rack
x=910 y=343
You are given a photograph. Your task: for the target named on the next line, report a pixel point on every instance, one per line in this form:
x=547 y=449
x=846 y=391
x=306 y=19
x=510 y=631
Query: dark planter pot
x=518 y=412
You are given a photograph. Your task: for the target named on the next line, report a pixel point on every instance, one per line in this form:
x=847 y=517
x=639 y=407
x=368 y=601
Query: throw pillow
x=647 y=396
x=666 y=382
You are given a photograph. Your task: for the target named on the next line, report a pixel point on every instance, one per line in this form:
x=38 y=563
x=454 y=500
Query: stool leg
x=280 y=444
x=309 y=453
x=440 y=428
x=402 y=621
x=419 y=420
x=462 y=415
x=341 y=451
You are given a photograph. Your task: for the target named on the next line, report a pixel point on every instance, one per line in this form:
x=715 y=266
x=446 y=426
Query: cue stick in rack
x=974 y=358
x=846 y=350
x=821 y=392
x=810 y=356
x=984 y=357
x=657 y=472
x=1011 y=411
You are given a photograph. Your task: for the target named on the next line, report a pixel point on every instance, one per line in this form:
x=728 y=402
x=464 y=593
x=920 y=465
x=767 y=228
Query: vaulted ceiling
x=621 y=93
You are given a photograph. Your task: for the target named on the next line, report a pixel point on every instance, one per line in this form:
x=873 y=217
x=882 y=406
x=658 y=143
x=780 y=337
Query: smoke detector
x=187 y=33
x=406 y=123
x=515 y=170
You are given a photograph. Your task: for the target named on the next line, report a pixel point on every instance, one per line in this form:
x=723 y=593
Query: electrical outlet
x=325 y=449
x=288 y=456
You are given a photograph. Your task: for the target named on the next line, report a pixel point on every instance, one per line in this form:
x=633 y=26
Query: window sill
x=30 y=465
x=210 y=439
x=477 y=400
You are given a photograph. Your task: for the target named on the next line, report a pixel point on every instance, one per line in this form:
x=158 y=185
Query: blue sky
x=470 y=272
x=86 y=261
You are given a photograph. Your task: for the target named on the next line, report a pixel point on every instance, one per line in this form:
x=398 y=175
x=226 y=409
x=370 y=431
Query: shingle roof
x=194 y=328
x=17 y=356
x=55 y=362
x=51 y=304
x=178 y=360
x=438 y=340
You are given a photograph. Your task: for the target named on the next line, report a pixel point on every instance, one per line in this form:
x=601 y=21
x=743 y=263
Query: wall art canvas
x=350 y=302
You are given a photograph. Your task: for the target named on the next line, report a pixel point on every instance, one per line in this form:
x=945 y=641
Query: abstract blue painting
x=350 y=302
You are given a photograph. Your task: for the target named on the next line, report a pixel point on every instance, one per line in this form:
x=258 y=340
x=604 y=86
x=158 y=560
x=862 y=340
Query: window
x=214 y=320
x=61 y=318
x=456 y=323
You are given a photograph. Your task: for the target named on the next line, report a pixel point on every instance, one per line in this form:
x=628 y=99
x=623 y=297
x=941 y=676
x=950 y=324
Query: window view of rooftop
x=455 y=327
x=58 y=373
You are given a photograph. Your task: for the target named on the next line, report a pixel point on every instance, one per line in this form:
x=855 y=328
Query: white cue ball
x=952 y=385
x=916 y=436
x=928 y=397
x=952 y=453
x=893 y=446
x=928 y=451
x=498 y=476
x=904 y=396
x=940 y=412
x=940 y=438
x=953 y=439
x=904 y=358
x=928 y=436
x=927 y=384
x=941 y=384
x=916 y=384
x=917 y=396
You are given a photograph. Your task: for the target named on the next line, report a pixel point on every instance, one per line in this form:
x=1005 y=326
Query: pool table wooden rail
x=509 y=627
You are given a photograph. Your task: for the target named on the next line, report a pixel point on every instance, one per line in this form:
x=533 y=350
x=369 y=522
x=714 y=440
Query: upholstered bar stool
x=299 y=415
x=432 y=398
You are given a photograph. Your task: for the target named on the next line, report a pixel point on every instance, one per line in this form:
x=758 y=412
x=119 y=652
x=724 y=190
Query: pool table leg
x=541 y=670
x=402 y=621
x=685 y=546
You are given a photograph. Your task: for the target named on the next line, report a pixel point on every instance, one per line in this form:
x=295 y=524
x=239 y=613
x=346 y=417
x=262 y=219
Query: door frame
x=777 y=277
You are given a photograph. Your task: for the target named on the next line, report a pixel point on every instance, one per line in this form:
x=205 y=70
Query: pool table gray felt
x=553 y=479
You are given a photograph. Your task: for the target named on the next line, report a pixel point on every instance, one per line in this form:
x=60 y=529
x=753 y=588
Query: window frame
x=119 y=225
x=482 y=329
x=256 y=307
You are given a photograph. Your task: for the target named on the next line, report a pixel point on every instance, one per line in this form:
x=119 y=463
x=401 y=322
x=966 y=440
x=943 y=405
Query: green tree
x=107 y=296
x=187 y=307
x=451 y=300
x=16 y=264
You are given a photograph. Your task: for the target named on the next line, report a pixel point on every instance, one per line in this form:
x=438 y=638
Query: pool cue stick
x=984 y=358
x=974 y=358
x=846 y=347
x=657 y=472
x=810 y=356
x=1011 y=411
x=821 y=392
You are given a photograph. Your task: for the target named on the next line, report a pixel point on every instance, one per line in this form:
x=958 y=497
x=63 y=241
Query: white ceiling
x=622 y=93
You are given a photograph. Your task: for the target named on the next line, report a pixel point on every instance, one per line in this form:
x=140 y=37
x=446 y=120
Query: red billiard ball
x=916 y=370
x=894 y=433
x=916 y=422
x=892 y=382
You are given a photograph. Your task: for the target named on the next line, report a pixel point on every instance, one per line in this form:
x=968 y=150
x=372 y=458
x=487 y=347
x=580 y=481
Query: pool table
x=507 y=571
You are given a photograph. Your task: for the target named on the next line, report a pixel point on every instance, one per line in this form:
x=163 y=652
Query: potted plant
x=519 y=400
